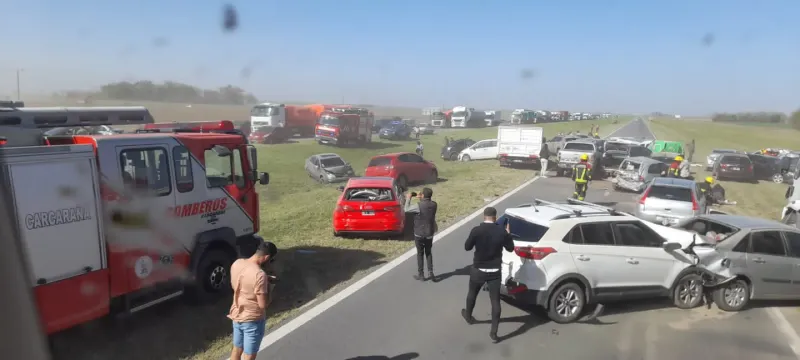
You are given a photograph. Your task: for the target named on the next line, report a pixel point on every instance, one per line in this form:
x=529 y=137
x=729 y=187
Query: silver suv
x=668 y=200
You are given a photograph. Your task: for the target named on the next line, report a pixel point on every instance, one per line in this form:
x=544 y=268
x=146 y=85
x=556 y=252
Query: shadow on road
x=464 y=271
x=174 y=330
x=406 y=356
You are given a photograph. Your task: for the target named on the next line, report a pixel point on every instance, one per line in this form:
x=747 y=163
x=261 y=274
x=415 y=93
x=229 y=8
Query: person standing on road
x=581 y=175
x=543 y=160
x=489 y=239
x=690 y=151
x=250 y=300
x=424 y=228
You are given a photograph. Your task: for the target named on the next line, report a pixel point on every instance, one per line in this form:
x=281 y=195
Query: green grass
x=765 y=199
x=312 y=263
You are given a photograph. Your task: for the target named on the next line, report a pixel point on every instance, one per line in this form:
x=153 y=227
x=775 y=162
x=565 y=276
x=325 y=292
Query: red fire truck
x=343 y=128
x=119 y=223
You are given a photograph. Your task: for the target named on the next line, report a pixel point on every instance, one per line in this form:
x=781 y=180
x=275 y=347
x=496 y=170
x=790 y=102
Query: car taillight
x=644 y=196
x=345 y=208
x=641 y=178
x=533 y=252
x=503 y=155
x=533 y=156
x=750 y=168
x=391 y=208
x=695 y=205
x=724 y=166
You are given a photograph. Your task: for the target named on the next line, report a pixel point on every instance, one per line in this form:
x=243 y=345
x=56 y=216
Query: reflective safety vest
x=582 y=173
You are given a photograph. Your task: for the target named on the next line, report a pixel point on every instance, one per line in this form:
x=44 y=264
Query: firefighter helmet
x=584 y=157
x=709 y=179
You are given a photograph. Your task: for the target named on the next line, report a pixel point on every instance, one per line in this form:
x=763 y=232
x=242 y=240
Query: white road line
x=625 y=339
x=786 y=329
x=651 y=342
x=310 y=314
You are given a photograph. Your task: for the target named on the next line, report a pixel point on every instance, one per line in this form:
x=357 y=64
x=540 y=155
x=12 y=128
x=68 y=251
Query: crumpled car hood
x=709 y=258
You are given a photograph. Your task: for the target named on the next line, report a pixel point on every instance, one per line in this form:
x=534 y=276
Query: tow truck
x=114 y=224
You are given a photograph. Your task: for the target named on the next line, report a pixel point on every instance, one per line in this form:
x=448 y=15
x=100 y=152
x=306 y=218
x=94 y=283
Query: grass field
x=296 y=215
x=765 y=199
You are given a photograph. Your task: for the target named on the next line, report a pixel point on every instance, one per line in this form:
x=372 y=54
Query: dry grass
x=296 y=215
x=765 y=199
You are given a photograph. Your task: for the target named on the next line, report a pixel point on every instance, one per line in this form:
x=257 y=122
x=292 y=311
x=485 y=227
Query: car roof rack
x=601 y=210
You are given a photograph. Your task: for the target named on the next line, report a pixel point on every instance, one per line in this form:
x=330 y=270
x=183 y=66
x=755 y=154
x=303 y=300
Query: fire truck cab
x=119 y=223
x=344 y=127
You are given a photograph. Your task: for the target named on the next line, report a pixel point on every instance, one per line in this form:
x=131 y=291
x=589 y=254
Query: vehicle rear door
x=406 y=166
x=515 y=267
x=373 y=203
x=652 y=269
x=600 y=260
x=478 y=150
x=421 y=167
x=770 y=266
x=490 y=149
x=793 y=241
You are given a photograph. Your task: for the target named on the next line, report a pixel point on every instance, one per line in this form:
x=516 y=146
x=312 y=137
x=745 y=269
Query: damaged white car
x=745 y=258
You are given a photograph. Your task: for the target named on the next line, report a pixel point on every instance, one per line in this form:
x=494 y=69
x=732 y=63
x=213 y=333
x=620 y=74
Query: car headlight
x=330 y=176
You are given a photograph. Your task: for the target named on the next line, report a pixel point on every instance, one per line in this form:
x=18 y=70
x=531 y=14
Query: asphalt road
x=396 y=317
x=636 y=128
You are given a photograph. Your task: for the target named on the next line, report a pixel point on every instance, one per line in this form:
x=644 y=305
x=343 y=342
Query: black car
x=450 y=151
x=395 y=131
x=767 y=167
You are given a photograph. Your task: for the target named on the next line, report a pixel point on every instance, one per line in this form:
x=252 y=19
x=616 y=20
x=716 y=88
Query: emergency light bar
x=50 y=117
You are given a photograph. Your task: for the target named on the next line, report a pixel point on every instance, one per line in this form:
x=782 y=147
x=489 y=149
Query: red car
x=370 y=205
x=405 y=168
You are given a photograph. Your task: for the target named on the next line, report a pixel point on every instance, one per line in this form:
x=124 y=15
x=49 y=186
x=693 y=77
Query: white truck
x=570 y=154
x=493 y=117
x=523 y=116
x=519 y=145
x=464 y=117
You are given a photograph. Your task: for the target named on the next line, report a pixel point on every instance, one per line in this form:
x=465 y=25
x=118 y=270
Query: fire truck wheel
x=213 y=278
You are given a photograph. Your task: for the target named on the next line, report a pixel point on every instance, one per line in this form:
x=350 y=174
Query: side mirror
x=790 y=191
x=340 y=188
x=671 y=246
x=263 y=178
x=252 y=157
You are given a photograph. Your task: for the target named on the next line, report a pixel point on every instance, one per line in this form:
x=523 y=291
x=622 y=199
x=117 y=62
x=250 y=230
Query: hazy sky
x=690 y=57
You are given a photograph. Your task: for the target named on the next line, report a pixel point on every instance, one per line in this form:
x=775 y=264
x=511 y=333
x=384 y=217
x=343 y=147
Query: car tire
x=453 y=157
x=566 y=304
x=433 y=177
x=777 y=178
x=733 y=296
x=688 y=292
x=402 y=182
x=465 y=157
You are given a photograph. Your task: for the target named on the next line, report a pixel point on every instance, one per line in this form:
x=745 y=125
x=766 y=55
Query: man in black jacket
x=424 y=228
x=489 y=240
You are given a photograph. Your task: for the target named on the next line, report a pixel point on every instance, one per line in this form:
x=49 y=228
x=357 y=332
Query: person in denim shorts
x=250 y=299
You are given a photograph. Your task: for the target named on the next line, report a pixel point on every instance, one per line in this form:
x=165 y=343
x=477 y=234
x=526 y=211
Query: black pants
x=424 y=246
x=477 y=279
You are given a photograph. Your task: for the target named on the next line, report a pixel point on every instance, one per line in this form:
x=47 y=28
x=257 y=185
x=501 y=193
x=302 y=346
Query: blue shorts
x=248 y=335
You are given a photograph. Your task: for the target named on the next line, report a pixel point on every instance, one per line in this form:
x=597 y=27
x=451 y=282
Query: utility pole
x=19 y=96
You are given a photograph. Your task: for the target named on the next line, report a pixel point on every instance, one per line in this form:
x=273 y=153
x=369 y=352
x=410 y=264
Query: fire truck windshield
x=329 y=120
x=264 y=110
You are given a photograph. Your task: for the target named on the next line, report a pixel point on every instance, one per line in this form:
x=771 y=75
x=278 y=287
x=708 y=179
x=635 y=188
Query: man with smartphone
x=424 y=228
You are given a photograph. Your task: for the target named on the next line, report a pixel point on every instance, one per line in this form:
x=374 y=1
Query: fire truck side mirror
x=263 y=178
x=252 y=158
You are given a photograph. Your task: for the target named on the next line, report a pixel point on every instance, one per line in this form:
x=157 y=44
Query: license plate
x=517 y=161
x=666 y=220
x=735 y=168
x=368 y=213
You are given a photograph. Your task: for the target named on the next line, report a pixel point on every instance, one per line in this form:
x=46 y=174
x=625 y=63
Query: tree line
x=171 y=91
x=748 y=117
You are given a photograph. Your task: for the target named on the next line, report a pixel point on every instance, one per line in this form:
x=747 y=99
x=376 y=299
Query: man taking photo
x=424 y=228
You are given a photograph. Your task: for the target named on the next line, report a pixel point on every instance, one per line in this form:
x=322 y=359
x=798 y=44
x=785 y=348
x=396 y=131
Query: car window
x=670 y=193
x=522 y=230
x=628 y=165
x=574 y=236
x=314 y=161
x=629 y=234
x=479 y=145
x=793 y=240
x=743 y=246
x=655 y=168
x=332 y=162
x=469 y=142
x=597 y=234
x=380 y=161
x=556 y=138
x=640 y=151
x=492 y=143
x=735 y=160
x=579 y=146
x=368 y=194
x=767 y=243
x=414 y=158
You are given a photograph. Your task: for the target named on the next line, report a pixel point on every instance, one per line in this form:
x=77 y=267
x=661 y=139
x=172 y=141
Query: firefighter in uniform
x=581 y=175
x=705 y=189
x=675 y=167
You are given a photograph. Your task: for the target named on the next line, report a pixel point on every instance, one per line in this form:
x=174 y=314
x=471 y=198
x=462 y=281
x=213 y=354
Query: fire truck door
x=150 y=244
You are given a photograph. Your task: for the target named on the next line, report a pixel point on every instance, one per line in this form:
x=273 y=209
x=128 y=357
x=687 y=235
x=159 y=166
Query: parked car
x=761 y=256
x=615 y=152
x=569 y=255
x=370 y=206
x=328 y=168
x=425 y=129
x=668 y=200
x=395 y=131
x=481 y=150
x=270 y=135
x=405 y=168
x=571 y=153
x=382 y=123
x=635 y=173
x=450 y=151
x=766 y=167
x=715 y=154
x=557 y=142
x=734 y=166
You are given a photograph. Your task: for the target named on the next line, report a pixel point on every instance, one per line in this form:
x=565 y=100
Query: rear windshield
x=629 y=166
x=332 y=162
x=369 y=194
x=522 y=230
x=670 y=193
x=735 y=160
x=578 y=146
x=616 y=146
x=380 y=161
